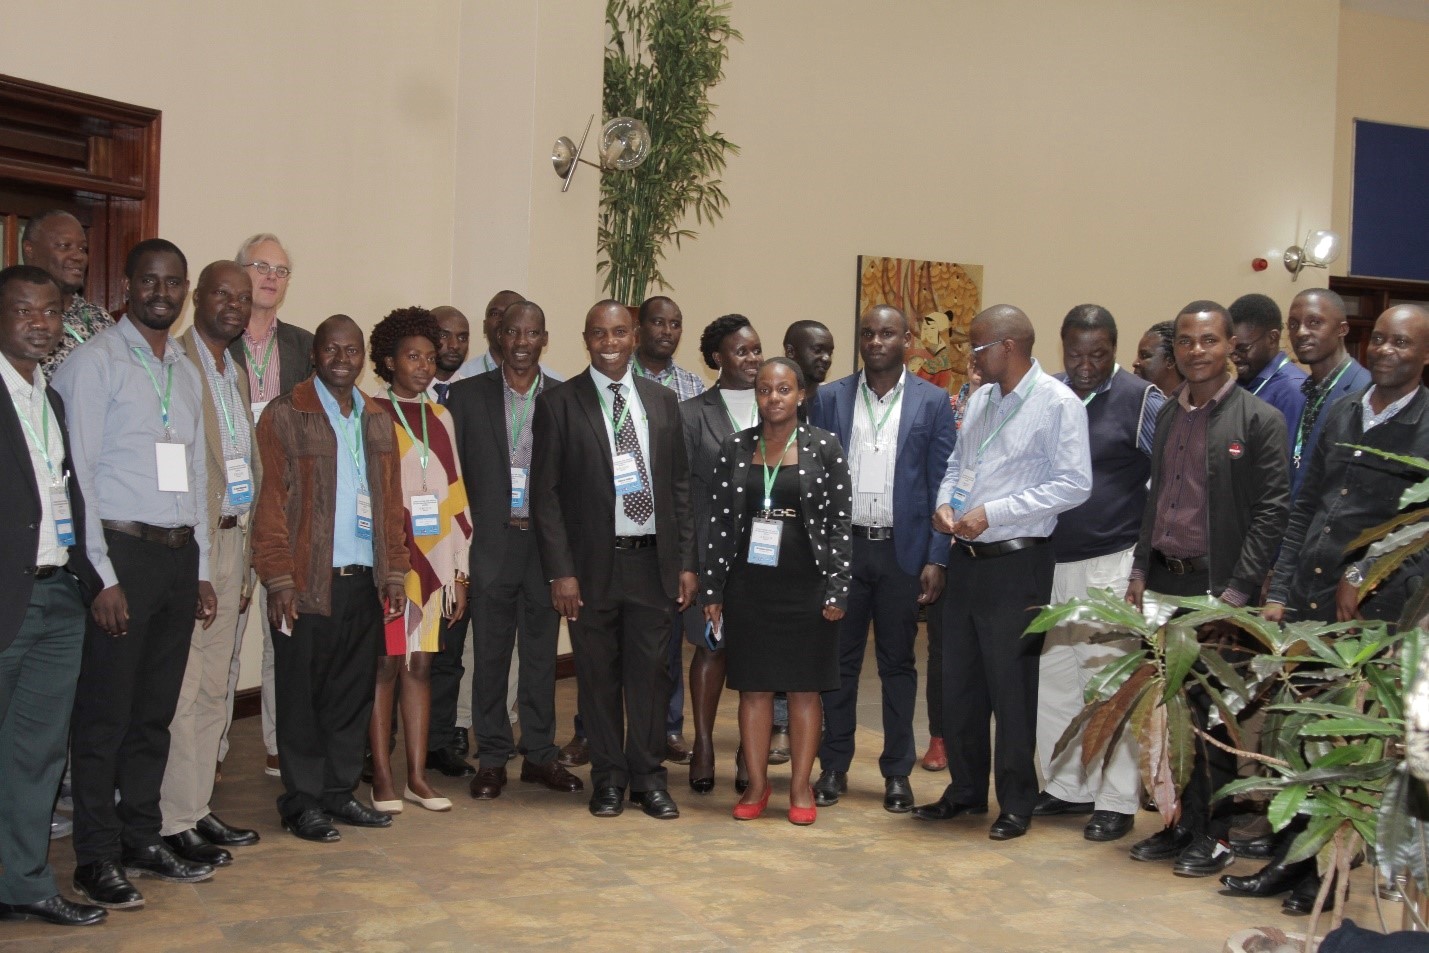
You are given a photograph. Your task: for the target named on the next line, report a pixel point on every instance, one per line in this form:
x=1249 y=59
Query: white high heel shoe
x=430 y=803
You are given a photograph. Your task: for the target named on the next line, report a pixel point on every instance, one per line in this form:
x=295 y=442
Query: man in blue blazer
x=898 y=432
x=1317 y=326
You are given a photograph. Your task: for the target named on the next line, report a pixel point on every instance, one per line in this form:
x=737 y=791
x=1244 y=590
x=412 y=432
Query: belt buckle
x=968 y=548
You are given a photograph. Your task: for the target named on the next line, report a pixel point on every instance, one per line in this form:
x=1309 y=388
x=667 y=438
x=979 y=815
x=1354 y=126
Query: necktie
x=441 y=388
x=640 y=505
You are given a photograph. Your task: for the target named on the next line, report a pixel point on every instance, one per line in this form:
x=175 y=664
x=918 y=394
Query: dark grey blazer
x=295 y=355
x=707 y=424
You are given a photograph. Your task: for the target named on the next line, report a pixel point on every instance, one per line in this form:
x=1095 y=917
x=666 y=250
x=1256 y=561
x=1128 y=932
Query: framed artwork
x=941 y=298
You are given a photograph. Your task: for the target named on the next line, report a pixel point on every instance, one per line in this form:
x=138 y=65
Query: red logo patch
x=1235 y=450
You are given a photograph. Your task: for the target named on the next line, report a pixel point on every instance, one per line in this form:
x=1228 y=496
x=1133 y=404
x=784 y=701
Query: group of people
x=163 y=487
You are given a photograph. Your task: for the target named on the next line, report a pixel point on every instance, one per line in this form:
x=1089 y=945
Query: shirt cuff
x=1234 y=597
x=1139 y=575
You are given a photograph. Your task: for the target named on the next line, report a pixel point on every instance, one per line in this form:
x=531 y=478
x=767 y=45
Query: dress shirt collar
x=897 y=387
x=1268 y=371
x=1183 y=396
x=1369 y=418
x=15 y=381
x=173 y=350
x=330 y=403
x=1023 y=388
x=602 y=383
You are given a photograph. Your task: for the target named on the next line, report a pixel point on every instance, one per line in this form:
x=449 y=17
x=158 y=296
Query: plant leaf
x=1337 y=727
x=1105 y=723
x=1182 y=650
x=1315 y=836
x=1385 y=528
x=1180 y=741
x=1233 y=688
x=1113 y=675
x=1283 y=806
x=1074 y=728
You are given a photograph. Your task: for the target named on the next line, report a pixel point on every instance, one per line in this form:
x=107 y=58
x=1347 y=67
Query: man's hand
x=111 y=611
x=458 y=605
x=243 y=602
x=689 y=582
x=833 y=613
x=972 y=525
x=1134 y=591
x=207 y=608
x=394 y=597
x=566 y=597
x=1273 y=612
x=1347 y=602
x=943 y=519
x=930 y=584
x=283 y=609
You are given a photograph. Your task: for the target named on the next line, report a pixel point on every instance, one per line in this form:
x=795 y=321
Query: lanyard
x=518 y=424
x=769 y=477
x=223 y=405
x=868 y=408
x=79 y=338
x=353 y=440
x=610 y=415
x=41 y=445
x=657 y=378
x=1314 y=412
x=426 y=447
x=261 y=369
x=753 y=413
x=1015 y=411
x=1087 y=400
x=165 y=393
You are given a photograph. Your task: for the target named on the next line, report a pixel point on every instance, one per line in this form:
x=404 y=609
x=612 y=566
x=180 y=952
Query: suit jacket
x=926 y=437
x=217 y=466
x=295 y=355
x=573 y=485
x=706 y=423
x=20 y=529
x=1352 y=381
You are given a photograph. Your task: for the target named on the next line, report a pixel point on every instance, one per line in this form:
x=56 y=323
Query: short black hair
x=1166 y=331
x=1331 y=296
x=716 y=331
x=1206 y=306
x=525 y=304
x=148 y=245
x=650 y=302
x=25 y=274
x=792 y=365
x=1089 y=317
x=403 y=323
x=1257 y=310
x=806 y=324
x=38 y=222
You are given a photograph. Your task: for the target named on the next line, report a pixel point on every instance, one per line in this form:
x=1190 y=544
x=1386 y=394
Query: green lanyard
x=610 y=415
x=261 y=369
x=223 y=405
x=78 y=338
x=42 y=445
x=1015 y=411
x=164 y=394
x=1087 y=400
x=868 y=408
x=753 y=414
x=1300 y=426
x=518 y=424
x=353 y=440
x=640 y=369
x=426 y=447
x=770 y=477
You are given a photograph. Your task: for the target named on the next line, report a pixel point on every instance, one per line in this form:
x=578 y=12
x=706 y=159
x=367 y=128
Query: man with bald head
x=1023 y=457
x=330 y=546
x=55 y=241
x=610 y=507
x=222 y=301
x=491 y=330
x=810 y=344
x=898 y=431
x=1317 y=327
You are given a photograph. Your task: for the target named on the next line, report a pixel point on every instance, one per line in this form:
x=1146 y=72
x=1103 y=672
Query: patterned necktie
x=441 y=389
x=640 y=505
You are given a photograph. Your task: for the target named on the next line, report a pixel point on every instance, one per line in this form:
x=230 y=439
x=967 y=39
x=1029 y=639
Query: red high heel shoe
x=802 y=816
x=748 y=812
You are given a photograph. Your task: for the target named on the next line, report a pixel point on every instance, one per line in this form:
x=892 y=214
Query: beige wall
x=1134 y=154
x=1383 y=76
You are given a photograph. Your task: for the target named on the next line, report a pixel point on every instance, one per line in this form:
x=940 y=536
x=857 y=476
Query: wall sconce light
x=624 y=144
x=1321 y=247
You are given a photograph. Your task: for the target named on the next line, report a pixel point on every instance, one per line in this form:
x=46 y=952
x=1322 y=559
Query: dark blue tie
x=442 y=389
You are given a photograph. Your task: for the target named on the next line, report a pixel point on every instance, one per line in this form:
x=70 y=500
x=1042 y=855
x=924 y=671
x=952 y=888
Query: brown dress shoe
x=552 y=775
x=488 y=783
x=676 y=751
x=575 y=753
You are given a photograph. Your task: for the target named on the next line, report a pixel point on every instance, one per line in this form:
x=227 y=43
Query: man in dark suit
x=1317 y=326
x=48 y=582
x=611 y=509
x=898 y=431
x=509 y=594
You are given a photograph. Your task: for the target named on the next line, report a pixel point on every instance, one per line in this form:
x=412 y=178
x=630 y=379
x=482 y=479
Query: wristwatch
x=1354 y=576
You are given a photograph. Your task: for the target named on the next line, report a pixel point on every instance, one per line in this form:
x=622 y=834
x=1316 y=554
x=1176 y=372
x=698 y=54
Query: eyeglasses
x=1243 y=346
x=983 y=347
x=282 y=271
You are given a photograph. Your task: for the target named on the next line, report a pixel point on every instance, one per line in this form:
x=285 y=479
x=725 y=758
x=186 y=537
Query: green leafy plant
x=661 y=59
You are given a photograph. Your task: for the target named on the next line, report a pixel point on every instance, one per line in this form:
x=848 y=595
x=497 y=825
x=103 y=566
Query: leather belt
x=42 y=572
x=227 y=522
x=873 y=532
x=1182 y=567
x=176 y=537
x=634 y=542
x=519 y=522
x=356 y=569
x=1003 y=548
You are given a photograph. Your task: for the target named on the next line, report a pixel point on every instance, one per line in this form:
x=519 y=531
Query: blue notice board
x=1390 y=218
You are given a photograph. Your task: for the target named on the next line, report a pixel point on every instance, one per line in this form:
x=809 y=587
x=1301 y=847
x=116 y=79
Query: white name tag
x=764 y=537
x=872 y=468
x=364 y=516
x=627 y=475
x=258 y=409
x=172 y=463
x=240 y=482
x=519 y=476
x=426 y=521
x=64 y=521
x=964 y=489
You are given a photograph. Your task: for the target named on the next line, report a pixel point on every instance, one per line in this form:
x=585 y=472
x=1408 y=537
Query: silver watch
x=1354 y=576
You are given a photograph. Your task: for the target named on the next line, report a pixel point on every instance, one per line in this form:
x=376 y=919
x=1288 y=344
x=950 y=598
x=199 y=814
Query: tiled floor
x=534 y=869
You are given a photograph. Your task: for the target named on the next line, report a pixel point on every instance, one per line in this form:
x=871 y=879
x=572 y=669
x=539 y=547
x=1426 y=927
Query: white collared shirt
x=1369 y=419
x=875 y=509
x=624 y=525
x=30 y=401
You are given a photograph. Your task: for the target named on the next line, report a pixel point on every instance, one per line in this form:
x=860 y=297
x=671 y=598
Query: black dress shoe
x=216 y=832
x=1049 y=805
x=312 y=825
x=1203 y=857
x=56 y=910
x=1259 y=848
x=575 y=753
x=829 y=786
x=657 y=804
x=1108 y=825
x=1165 y=844
x=553 y=776
x=359 y=815
x=103 y=883
x=159 y=861
x=897 y=794
x=195 y=848
x=367 y=767
x=1007 y=826
x=461 y=742
x=701 y=785
x=1270 y=879
x=941 y=810
x=449 y=763
x=1302 y=899
x=607 y=802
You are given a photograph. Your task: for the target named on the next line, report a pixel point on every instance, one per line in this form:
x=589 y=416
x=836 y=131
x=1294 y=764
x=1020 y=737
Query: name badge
x=240 y=482
x=364 y=516
x=258 y=409
x=873 y=469
x=764 y=536
x=64 y=520
x=425 y=519
x=172 y=463
x=964 y=489
x=519 y=475
x=627 y=475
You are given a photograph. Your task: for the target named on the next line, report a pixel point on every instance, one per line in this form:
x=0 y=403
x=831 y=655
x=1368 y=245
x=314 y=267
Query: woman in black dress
x=776 y=577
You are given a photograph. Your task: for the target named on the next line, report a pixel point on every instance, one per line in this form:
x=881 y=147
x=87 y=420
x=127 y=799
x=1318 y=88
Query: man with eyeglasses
x=1261 y=366
x=55 y=241
x=276 y=356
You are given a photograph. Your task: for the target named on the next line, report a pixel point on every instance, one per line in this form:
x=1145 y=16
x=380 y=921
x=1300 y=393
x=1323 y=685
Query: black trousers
x=881 y=593
x=127 y=693
x=447 y=672
x=514 y=612
x=933 y=691
x=621 y=643
x=990 y=669
x=324 y=678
